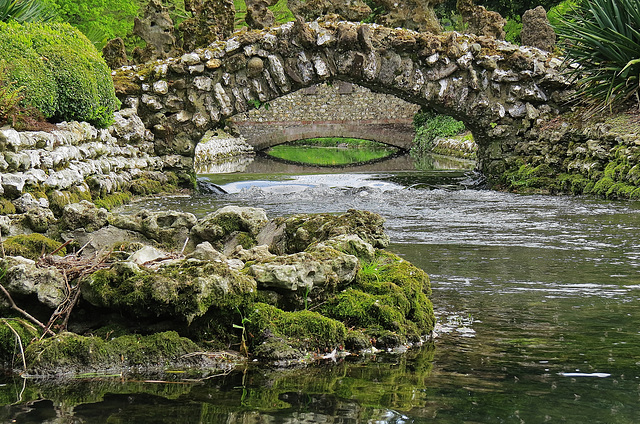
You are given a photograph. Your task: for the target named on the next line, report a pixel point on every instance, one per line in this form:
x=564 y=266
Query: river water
x=537 y=298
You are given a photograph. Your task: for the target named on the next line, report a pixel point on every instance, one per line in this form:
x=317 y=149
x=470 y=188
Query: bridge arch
x=497 y=89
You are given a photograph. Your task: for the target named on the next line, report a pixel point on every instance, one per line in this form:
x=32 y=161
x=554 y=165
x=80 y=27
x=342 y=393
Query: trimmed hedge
x=61 y=73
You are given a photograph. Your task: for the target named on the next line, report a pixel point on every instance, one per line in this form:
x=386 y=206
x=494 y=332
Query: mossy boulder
x=296 y=233
x=61 y=72
x=69 y=353
x=83 y=215
x=31 y=246
x=388 y=295
x=230 y=225
x=182 y=290
x=306 y=276
x=287 y=335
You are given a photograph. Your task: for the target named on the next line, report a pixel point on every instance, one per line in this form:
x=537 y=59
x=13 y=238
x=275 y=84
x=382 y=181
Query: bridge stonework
x=497 y=89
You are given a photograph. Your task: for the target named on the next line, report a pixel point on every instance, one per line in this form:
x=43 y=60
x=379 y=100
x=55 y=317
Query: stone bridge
x=262 y=135
x=497 y=89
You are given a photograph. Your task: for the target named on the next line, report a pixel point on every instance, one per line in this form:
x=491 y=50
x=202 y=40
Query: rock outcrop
x=212 y=20
x=536 y=30
x=481 y=21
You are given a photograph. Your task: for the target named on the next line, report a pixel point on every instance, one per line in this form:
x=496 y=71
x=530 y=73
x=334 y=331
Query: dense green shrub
x=429 y=126
x=59 y=71
x=603 y=37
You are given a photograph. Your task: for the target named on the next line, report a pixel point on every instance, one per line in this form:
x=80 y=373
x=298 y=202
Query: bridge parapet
x=499 y=90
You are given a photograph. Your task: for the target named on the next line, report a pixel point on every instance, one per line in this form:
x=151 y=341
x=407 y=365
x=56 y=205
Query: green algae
x=31 y=246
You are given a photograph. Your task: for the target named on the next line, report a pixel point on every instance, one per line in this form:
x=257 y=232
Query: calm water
x=538 y=302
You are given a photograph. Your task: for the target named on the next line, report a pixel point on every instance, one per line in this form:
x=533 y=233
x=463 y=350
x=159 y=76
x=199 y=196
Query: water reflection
x=327 y=393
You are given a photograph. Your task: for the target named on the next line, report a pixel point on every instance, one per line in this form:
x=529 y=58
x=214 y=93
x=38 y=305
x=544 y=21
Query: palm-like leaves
x=603 y=37
x=25 y=11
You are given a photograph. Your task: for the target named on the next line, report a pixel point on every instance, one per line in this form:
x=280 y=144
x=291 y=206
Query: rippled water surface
x=538 y=303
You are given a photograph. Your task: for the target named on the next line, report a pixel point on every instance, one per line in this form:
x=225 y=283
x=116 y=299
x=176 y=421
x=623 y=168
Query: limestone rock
x=168 y=227
x=83 y=215
x=295 y=234
x=39 y=219
x=258 y=16
x=213 y=20
x=156 y=29
x=220 y=225
x=128 y=126
x=104 y=239
x=146 y=254
x=351 y=10
x=26 y=202
x=417 y=15
x=257 y=253
x=481 y=21
x=23 y=278
x=322 y=268
x=115 y=54
x=536 y=30
x=183 y=290
x=352 y=245
x=206 y=252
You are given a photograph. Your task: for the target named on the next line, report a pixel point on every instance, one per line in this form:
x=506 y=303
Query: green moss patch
x=184 y=290
x=15 y=335
x=300 y=330
x=31 y=246
x=389 y=294
x=68 y=352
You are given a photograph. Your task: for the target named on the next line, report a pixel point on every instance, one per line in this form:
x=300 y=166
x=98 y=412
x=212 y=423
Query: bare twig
x=2 y=244
x=62 y=246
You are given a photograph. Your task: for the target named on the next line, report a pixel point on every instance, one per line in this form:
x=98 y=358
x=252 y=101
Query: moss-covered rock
x=15 y=335
x=389 y=294
x=294 y=234
x=184 y=290
x=31 y=246
x=72 y=353
x=171 y=228
x=62 y=73
x=286 y=335
x=306 y=278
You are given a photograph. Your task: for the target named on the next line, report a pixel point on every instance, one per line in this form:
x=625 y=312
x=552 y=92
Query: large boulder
x=212 y=20
x=258 y=15
x=156 y=29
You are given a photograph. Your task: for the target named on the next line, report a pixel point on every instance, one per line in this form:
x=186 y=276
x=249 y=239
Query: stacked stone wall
x=339 y=101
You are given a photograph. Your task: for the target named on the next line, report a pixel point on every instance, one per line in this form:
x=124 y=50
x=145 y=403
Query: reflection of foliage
x=603 y=36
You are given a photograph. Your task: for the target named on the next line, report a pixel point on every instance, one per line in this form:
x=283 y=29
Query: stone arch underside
x=497 y=89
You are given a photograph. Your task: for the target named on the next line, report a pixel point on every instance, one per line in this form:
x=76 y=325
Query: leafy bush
x=59 y=71
x=430 y=126
x=512 y=29
x=603 y=37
